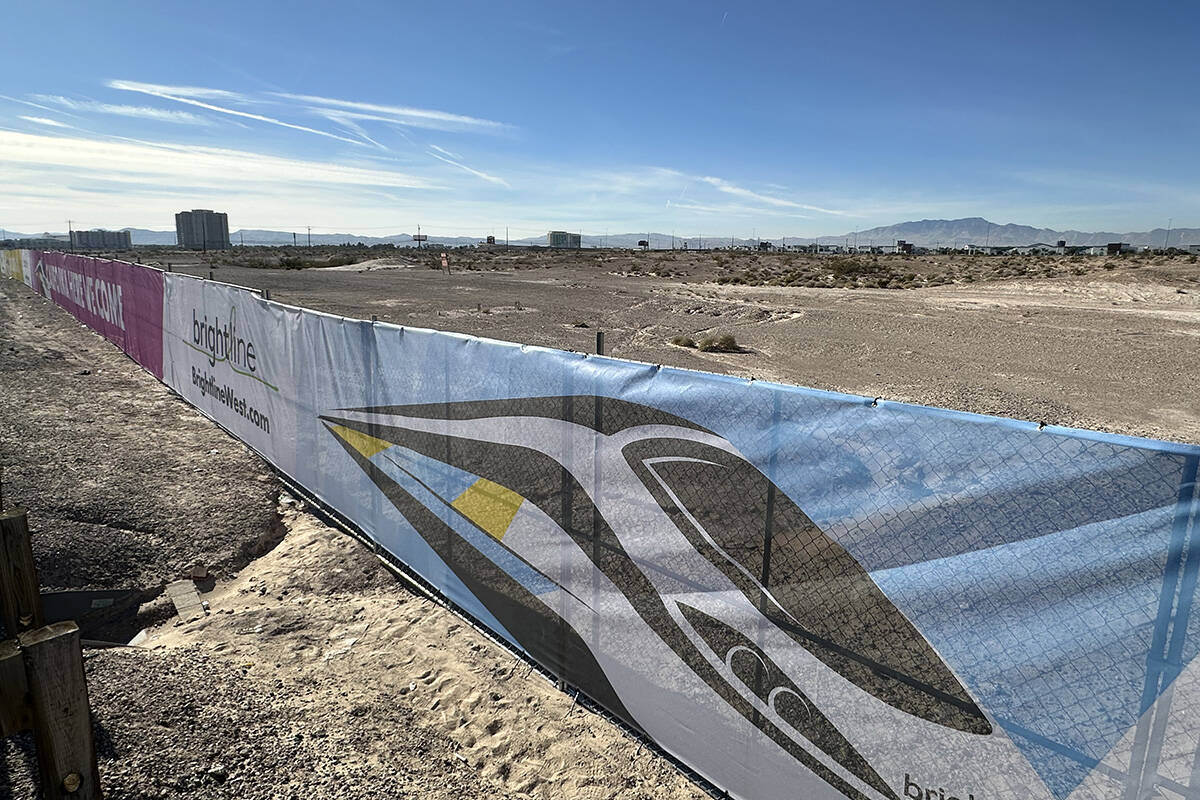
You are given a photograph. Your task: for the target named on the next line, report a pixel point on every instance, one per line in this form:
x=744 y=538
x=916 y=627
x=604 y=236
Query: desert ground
x=317 y=674
x=1108 y=343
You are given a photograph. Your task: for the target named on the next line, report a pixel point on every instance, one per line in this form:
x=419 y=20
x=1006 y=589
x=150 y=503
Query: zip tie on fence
x=1041 y=426
x=875 y=402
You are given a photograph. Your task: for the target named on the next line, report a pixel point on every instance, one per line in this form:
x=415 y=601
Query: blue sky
x=696 y=117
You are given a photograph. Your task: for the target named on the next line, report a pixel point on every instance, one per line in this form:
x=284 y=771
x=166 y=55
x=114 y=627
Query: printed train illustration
x=615 y=542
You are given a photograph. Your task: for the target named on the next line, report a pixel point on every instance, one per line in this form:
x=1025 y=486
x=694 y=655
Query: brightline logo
x=221 y=343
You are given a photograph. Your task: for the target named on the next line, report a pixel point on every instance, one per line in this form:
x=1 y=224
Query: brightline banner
x=797 y=593
x=122 y=302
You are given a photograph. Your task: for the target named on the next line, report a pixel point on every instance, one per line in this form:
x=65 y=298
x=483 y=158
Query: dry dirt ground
x=316 y=675
x=1105 y=343
x=127 y=486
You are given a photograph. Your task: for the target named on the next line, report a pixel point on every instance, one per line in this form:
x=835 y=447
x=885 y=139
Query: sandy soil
x=316 y=674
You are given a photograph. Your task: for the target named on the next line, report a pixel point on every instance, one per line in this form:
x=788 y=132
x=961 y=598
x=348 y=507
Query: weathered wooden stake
x=15 y=714
x=62 y=724
x=20 y=603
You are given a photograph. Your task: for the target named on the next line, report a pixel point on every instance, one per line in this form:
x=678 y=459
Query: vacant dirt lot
x=1101 y=343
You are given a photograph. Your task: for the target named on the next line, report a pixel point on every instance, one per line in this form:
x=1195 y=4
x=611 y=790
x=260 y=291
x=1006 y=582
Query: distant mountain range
x=923 y=233
x=976 y=230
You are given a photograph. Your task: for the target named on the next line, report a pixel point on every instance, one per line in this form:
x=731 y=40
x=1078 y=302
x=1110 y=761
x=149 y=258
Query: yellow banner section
x=12 y=265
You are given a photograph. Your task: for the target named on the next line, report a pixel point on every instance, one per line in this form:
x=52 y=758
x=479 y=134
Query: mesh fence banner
x=122 y=302
x=14 y=265
x=797 y=593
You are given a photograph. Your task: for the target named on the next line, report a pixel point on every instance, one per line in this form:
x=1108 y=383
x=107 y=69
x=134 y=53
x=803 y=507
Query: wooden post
x=20 y=603
x=15 y=714
x=61 y=715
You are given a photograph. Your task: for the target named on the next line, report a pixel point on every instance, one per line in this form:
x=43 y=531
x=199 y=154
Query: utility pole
x=1169 y=221
x=310 y=237
x=71 y=235
x=505 y=237
x=242 y=238
x=293 y=238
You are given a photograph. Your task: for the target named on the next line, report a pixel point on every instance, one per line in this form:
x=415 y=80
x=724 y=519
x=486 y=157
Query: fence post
x=20 y=602
x=768 y=536
x=567 y=500
x=14 y=705
x=62 y=718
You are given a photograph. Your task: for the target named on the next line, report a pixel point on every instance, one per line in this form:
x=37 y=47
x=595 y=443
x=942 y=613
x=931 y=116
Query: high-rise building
x=202 y=229
x=100 y=240
x=563 y=239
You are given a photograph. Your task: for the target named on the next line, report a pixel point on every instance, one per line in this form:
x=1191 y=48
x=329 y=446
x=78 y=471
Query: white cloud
x=155 y=91
x=446 y=152
x=38 y=106
x=137 y=112
x=475 y=172
x=348 y=122
x=176 y=91
x=734 y=210
x=403 y=115
x=170 y=164
x=738 y=191
x=53 y=123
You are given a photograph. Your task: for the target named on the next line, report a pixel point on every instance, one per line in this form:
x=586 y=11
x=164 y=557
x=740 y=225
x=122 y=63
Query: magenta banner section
x=124 y=302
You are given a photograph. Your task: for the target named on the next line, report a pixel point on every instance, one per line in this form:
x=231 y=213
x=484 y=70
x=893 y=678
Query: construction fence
x=796 y=593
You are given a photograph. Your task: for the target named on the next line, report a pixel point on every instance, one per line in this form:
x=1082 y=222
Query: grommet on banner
x=875 y=402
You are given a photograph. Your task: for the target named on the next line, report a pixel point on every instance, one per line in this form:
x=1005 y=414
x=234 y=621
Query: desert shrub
x=683 y=341
x=847 y=267
x=724 y=343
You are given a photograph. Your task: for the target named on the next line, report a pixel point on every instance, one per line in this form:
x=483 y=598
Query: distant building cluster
x=47 y=241
x=101 y=240
x=202 y=229
x=562 y=239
